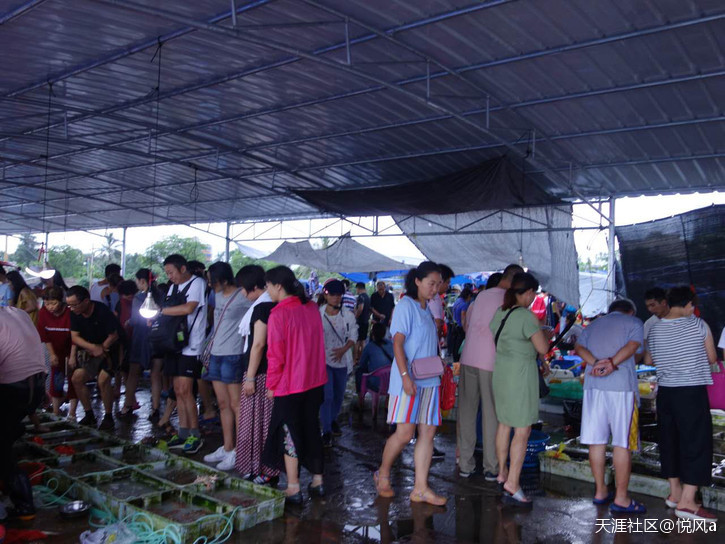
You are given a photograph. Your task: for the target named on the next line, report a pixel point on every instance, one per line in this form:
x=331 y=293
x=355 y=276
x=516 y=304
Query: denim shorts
x=225 y=369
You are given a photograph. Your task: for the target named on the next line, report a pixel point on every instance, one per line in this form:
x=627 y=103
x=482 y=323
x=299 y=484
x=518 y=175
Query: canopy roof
x=344 y=255
x=178 y=112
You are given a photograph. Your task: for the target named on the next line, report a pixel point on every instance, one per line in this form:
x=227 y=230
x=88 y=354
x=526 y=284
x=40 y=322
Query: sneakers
x=327 y=440
x=464 y=474
x=175 y=443
x=215 y=456
x=107 y=423
x=336 y=431
x=192 y=445
x=490 y=476
x=89 y=420
x=438 y=454
x=229 y=460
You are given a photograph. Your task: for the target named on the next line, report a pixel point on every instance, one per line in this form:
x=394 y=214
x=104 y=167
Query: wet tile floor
x=351 y=512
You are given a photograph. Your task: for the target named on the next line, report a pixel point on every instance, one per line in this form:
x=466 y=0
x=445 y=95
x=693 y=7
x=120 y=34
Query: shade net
x=344 y=255
x=491 y=185
x=539 y=237
x=686 y=249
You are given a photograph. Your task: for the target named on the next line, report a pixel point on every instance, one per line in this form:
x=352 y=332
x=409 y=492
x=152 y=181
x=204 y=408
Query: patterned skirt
x=255 y=413
x=424 y=407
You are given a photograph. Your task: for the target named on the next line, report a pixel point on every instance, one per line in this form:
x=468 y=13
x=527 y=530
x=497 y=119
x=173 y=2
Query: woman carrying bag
x=222 y=357
x=414 y=383
x=518 y=339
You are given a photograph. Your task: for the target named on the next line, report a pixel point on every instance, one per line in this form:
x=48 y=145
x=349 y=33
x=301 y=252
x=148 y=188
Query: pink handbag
x=716 y=391
x=426 y=367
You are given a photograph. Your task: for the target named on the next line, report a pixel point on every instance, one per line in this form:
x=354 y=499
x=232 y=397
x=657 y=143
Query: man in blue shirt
x=6 y=290
x=610 y=404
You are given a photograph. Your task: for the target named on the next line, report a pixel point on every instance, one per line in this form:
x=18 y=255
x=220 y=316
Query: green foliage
x=69 y=261
x=237 y=260
x=191 y=248
x=27 y=252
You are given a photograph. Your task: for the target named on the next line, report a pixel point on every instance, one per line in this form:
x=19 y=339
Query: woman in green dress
x=518 y=338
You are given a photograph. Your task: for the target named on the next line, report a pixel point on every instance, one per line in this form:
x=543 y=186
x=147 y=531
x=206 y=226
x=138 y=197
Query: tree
x=237 y=260
x=191 y=248
x=27 y=252
x=69 y=261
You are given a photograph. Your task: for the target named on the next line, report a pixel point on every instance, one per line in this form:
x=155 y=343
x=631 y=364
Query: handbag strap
x=503 y=322
x=221 y=316
x=334 y=329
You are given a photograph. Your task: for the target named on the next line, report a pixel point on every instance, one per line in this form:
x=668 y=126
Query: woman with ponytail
x=296 y=376
x=413 y=402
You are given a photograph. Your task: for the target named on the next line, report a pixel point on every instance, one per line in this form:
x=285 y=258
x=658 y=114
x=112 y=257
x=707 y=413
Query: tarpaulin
x=686 y=249
x=344 y=255
x=494 y=184
x=539 y=238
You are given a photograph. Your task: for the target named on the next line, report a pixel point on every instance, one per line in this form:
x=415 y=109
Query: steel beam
x=20 y=11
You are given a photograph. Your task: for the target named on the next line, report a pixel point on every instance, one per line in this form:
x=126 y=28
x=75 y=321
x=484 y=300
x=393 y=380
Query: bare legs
x=422 y=456
x=227 y=397
x=207 y=400
x=132 y=379
x=156 y=383
x=622 y=468
x=186 y=403
x=515 y=451
x=79 y=379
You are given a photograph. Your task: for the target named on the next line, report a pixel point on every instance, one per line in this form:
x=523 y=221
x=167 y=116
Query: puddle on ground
x=178 y=476
x=178 y=511
x=233 y=497
x=126 y=489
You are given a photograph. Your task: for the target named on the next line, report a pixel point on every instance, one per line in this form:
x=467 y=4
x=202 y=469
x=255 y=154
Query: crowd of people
x=277 y=365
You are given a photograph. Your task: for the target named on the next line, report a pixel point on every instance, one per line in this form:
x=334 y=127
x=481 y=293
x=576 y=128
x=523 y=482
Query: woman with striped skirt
x=255 y=408
x=413 y=402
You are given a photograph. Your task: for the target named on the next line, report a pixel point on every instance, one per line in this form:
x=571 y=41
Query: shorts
x=187 y=366
x=362 y=331
x=225 y=369
x=94 y=365
x=615 y=412
x=424 y=407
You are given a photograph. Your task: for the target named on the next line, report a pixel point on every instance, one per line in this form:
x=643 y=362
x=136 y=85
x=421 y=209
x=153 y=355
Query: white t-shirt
x=96 y=291
x=196 y=293
x=721 y=343
x=338 y=329
x=648 y=326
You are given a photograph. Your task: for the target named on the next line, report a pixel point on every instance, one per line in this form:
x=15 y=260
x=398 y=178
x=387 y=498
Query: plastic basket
x=537 y=443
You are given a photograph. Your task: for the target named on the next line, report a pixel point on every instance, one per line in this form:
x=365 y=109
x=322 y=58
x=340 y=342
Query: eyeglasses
x=76 y=304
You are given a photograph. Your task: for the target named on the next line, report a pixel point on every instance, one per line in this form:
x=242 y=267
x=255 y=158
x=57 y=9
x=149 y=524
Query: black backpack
x=171 y=333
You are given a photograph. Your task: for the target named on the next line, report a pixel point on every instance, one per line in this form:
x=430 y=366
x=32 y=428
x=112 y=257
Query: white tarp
x=344 y=255
x=527 y=236
x=593 y=291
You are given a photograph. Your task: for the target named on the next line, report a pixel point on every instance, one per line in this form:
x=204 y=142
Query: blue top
x=6 y=295
x=459 y=306
x=421 y=340
x=376 y=356
x=604 y=337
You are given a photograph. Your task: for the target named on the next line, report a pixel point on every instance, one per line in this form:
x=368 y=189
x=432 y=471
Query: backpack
x=171 y=333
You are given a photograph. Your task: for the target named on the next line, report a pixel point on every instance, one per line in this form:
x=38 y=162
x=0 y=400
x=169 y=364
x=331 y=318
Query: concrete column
x=123 y=253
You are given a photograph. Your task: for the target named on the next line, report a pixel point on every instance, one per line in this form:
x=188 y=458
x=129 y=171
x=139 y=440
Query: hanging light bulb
x=149 y=309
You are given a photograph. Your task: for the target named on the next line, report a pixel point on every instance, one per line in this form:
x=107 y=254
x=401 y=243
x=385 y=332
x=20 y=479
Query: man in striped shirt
x=610 y=405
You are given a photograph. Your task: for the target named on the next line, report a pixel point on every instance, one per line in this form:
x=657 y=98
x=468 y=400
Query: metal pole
x=611 y=263
x=123 y=253
x=226 y=250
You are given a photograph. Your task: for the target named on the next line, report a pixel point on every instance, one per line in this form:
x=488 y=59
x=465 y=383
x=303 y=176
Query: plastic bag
x=118 y=533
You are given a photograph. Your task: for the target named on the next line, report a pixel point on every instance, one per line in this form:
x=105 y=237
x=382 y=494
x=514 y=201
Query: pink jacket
x=295 y=348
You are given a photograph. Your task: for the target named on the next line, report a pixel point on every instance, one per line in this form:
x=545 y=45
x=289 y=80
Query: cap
x=334 y=287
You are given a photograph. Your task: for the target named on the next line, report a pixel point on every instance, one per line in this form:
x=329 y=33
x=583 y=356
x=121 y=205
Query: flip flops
x=669 y=503
x=606 y=500
x=517 y=499
x=633 y=508
x=699 y=514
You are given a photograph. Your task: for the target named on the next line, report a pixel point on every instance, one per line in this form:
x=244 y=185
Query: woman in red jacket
x=296 y=376
x=54 y=329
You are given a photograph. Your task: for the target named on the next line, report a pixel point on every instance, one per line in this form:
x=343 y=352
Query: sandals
x=428 y=497
x=517 y=499
x=633 y=508
x=669 y=503
x=383 y=492
x=698 y=515
x=606 y=500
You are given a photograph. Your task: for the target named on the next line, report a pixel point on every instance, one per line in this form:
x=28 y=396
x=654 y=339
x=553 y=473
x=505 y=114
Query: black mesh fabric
x=686 y=249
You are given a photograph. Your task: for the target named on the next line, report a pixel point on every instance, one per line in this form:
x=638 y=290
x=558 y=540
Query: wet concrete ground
x=351 y=512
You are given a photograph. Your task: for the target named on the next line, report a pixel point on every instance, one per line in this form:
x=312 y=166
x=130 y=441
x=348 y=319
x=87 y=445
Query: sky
x=589 y=243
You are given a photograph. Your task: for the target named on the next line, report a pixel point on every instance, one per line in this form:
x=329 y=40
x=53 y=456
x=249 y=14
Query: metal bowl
x=74 y=509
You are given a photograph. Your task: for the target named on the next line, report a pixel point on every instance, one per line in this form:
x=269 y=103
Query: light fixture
x=149 y=309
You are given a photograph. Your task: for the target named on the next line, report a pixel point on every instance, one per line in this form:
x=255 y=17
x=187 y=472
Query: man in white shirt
x=97 y=288
x=655 y=300
x=185 y=367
